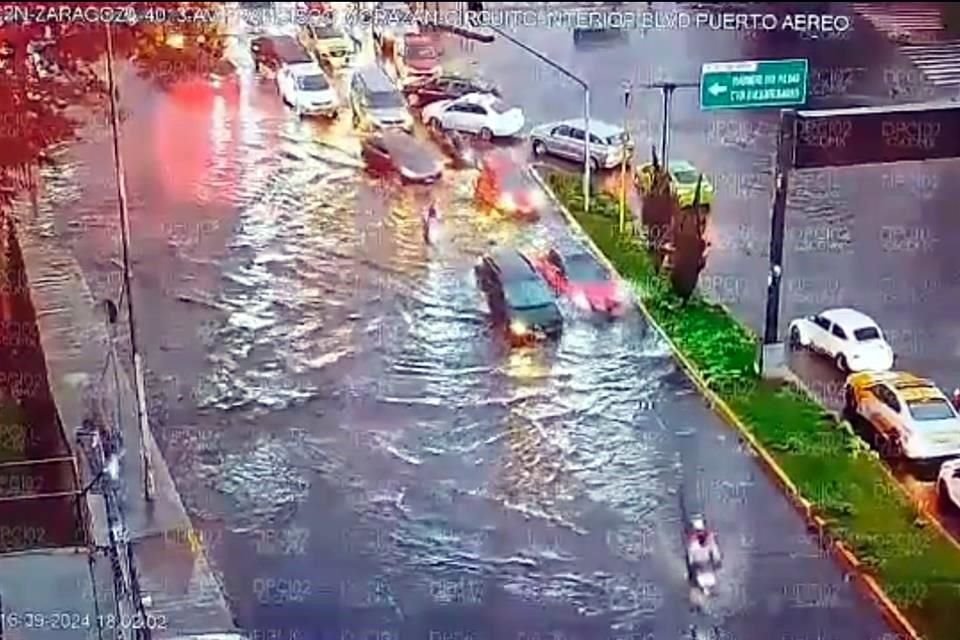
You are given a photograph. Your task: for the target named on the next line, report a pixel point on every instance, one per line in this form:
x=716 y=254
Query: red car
x=504 y=186
x=584 y=282
x=419 y=58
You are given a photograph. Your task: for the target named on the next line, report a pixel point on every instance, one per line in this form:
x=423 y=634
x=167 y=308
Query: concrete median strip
x=840 y=551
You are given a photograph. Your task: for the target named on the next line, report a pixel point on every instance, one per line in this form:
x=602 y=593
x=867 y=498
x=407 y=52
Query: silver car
x=608 y=143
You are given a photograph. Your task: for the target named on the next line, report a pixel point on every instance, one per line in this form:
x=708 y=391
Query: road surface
x=364 y=457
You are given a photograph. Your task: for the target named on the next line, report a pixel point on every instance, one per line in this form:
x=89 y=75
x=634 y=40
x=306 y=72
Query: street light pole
x=586 y=107
x=139 y=386
x=667 y=88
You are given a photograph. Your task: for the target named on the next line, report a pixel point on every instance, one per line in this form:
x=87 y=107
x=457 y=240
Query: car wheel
x=539 y=148
x=795 y=343
x=435 y=124
x=842 y=363
x=594 y=165
x=486 y=134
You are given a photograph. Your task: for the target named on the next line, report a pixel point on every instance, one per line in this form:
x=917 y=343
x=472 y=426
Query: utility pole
x=587 y=158
x=627 y=88
x=786 y=149
x=667 y=89
x=139 y=386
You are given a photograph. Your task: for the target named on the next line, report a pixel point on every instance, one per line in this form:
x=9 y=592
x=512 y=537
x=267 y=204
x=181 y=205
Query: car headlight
x=580 y=300
x=518 y=328
x=507 y=202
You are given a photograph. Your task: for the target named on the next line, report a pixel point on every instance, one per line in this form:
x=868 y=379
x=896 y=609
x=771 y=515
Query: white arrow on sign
x=716 y=89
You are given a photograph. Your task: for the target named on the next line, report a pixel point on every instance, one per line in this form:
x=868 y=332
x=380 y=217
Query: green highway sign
x=753 y=85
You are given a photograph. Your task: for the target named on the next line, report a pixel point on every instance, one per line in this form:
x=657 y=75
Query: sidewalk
x=183 y=594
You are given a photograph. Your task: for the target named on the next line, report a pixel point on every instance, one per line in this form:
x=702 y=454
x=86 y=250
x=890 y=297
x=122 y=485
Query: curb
x=890 y=611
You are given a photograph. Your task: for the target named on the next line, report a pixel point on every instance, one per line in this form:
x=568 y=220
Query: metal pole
x=665 y=132
x=125 y=243
x=586 y=148
x=623 y=161
x=786 y=145
x=586 y=105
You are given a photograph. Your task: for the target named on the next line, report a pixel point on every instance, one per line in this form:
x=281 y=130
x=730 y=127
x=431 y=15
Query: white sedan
x=948 y=484
x=851 y=338
x=480 y=113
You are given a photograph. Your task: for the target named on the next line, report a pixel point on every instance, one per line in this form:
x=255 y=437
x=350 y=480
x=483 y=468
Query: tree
x=657 y=212
x=689 y=246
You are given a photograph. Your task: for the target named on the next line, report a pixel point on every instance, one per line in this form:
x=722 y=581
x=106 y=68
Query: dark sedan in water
x=397 y=152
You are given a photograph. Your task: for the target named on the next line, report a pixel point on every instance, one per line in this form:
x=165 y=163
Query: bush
x=825 y=460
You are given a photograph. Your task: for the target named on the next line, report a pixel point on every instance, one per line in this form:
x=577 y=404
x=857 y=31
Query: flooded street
x=364 y=457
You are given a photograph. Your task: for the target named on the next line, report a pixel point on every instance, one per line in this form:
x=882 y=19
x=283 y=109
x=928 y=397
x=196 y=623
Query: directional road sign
x=753 y=85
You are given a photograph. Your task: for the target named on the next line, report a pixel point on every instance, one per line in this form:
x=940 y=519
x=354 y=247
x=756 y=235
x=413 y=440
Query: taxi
x=911 y=417
x=684 y=178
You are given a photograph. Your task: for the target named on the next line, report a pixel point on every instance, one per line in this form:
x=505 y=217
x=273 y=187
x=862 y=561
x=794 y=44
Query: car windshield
x=932 y=409
x=866 y=333
x=528 y=294
x=326 y=32
x=313 y=83
x=583 y=268
x=685 y=176
x=616 y=140
x=499 y=106
x=421 y=52
x=385 y=100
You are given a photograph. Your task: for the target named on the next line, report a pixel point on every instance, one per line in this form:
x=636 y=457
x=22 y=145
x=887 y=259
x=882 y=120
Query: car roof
x=682 y=165
x=847 y=317
x=478 y=98
x=512 y=264
x=901 y=381
x=306 y=69
x=597 y=127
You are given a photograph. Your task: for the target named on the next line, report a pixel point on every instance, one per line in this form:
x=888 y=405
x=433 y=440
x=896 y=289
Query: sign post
x=753 y=84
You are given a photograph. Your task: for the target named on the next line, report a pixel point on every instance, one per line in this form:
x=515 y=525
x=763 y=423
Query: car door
x=889 y=416
x=559 y=141
x=837 y=341
x=819 y=333
x=453 y=116
x=577 y=138
x=474 y=118
x=870 y=406
x=376 y=155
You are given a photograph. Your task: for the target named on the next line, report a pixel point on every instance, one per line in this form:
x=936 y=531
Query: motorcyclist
x=703 y=552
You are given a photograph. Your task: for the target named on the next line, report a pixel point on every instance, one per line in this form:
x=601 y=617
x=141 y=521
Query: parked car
x=375 y=101
x=445 y=87
x=480 y=113
x=329 y=43
x=520 y=301
x=608 y=142
x=581 y=279
x=401 y=153
x=305 y=88
x=417 y=59
x=225 y=78
x=273 y=52
x=911 y=417
x=683 y=180
x=504 y=186
x=948 y=484
x=851 y=338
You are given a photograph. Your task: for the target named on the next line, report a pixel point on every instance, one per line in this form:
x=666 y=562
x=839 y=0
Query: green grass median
x=828 y=463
